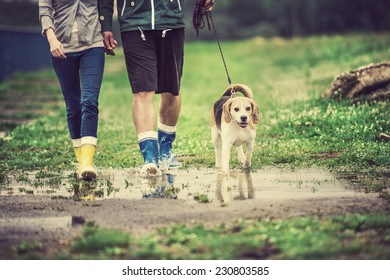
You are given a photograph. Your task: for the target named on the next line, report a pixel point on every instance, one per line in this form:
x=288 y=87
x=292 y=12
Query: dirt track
x=269 y=193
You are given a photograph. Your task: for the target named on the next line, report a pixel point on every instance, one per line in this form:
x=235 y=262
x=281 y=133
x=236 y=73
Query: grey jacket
x=61 y=14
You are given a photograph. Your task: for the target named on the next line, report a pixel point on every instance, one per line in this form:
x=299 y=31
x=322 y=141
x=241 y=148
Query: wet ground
x=53 y=211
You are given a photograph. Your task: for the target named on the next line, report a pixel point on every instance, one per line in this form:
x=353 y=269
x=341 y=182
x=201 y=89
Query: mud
x=54 y=214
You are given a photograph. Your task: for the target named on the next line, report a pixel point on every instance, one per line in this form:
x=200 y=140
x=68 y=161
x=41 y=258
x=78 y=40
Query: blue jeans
x=80 y=76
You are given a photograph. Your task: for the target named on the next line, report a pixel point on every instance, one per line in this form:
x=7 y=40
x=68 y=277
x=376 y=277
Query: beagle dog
x=233 y=122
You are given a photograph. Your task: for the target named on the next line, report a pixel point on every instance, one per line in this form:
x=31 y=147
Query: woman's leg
x=67 y=71
x=91 y=73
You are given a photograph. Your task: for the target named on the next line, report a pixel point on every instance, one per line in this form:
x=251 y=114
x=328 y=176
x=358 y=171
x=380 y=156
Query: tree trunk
x=371 y=82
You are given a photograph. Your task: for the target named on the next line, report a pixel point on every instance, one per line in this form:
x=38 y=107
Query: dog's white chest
x=236 y=135
x=244 y=137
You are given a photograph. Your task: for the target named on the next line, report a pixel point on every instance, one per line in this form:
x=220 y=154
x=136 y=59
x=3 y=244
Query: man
x=152 y=33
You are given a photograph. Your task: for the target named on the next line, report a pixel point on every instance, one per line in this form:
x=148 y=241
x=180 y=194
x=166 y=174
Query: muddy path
x=54 y=215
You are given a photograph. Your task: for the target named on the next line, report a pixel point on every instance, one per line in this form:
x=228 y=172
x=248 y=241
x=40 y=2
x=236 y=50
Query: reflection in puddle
x=186 y=184
x=163 y=187
x=244 y=189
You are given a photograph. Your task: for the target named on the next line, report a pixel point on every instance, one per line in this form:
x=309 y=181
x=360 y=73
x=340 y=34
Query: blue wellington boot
x=149 y=151
x=166 y=156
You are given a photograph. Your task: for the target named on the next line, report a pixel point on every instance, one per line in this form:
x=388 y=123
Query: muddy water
x=48 y=223
x=51 y=210
x=204 y=185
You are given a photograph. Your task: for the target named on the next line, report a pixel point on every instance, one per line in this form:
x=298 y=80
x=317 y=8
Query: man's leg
x=143 y=111
x=145 y=122
x=169 y=109
x=168 y=116
x=170 y=69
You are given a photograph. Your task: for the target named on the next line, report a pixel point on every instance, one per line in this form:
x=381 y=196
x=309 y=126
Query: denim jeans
x=80 y=76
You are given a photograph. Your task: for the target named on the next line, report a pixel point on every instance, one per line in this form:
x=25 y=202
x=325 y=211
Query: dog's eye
x=248 y=108
x=236 y=109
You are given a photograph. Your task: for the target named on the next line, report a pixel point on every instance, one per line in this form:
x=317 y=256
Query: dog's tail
x=244 y=89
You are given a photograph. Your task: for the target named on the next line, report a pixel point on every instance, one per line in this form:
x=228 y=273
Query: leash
x=199 y=23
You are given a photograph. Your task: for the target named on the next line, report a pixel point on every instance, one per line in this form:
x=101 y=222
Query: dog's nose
x=244 y=118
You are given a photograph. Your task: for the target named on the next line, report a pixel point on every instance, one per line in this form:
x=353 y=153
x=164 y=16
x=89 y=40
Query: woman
x=73 y=31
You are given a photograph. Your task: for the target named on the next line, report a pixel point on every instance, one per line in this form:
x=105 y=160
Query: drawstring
x=142 y=34
x=165 y=32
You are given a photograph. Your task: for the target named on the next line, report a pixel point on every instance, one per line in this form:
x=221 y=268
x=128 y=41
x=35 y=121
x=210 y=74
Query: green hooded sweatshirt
x=143 y=14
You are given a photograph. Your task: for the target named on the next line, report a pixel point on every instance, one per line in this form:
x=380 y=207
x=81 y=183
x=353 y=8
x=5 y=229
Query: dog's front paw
x=246 y=165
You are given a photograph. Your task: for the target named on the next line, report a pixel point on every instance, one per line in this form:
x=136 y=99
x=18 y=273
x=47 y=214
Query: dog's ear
x=255 y=113
x=226 y=111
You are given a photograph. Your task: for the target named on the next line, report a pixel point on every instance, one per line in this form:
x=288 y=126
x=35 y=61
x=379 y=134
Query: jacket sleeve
x=106 y=9
x=46 y=15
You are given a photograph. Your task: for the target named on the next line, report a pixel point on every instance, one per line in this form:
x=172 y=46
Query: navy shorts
x=154 y=63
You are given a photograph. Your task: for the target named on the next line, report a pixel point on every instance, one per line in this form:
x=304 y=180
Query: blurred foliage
x=288 y=18
x=248 y=18
x=337 y=237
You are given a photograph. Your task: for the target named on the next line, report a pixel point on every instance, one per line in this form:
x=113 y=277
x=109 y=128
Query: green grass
x=288 y=76
x=338 y=237
x=298 y=128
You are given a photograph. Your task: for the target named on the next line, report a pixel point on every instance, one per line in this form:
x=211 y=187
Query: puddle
x=42 y=223
x=34 y=223
x=203 y=185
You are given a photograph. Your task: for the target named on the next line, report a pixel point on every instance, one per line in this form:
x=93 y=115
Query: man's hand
x=208 y=5
x=109 y=42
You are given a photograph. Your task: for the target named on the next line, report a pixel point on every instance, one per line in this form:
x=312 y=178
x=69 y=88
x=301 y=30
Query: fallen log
x=371 y=82
x=384 y=137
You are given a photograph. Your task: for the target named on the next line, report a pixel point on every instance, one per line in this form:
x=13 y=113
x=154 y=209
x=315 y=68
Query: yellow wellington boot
x=77 y=152
x=86 y=169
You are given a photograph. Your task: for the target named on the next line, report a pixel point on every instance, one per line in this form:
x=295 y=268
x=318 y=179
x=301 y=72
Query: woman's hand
x=56 y=48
